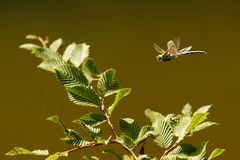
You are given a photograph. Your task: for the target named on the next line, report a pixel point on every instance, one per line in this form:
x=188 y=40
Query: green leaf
x=203 y=109
x=90 y=158
x=56 y=120
x=57 y=156
x=195 y=121
x=40 y=52
x=119 y=96
x=68 y=52
x=92 y=131
x=23 y=151
x=164 y=133
x=29 y=46
x=181 y=126
x=126 y=140
x=217 y=152
x=200 y=153
x=112 y=152
x=203 y=125
x=51 y=64
x=70 y=75
x=72 y=137
x=31 y=36
x=83 y=95
x=144 y=133
x=55 y=45
x=187 y=110
x=93 y=119
x=90 y=70
x=107 y=84
x=79 y=54
x=153 y=116
x=129 y=127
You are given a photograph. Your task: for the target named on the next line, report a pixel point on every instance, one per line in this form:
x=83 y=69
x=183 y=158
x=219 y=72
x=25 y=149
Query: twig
x=169 y=149
x=115 y=133
x=42 y=42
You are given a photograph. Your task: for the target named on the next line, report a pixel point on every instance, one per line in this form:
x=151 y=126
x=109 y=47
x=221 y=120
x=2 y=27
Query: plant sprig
x=77 y=72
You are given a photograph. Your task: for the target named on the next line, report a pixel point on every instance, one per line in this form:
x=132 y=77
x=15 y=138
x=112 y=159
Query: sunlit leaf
x=23 y=151
x=70 y=75
x=68 y=52
x=57 y=155
x=215 y=153
x=78 y=55
x=107 y=84
x=55 y=45
x=119 y=96
x=83 y=95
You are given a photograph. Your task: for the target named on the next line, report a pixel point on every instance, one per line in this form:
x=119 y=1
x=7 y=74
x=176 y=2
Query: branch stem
x=169 y=149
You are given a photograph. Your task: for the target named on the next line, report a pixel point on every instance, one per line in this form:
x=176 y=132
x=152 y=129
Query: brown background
x=121 y=34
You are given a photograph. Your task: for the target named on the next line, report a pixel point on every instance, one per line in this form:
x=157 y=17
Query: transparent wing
x=186 y=49
x=172 y=48
x=177 y=43
x=158 y=49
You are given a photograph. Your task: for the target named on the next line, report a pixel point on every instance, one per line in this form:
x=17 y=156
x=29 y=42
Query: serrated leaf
x=181 y=126
x=92 y=131
x=93 y=119
x=215 y=153
x=57 y=156
x=75 y=141
x=145 y=132
x=51 y=64
x=203 y=109
x=107 y=84
x=186 y=149
x=129 y=127
x=164 y=133
x=23 y=151
x=55 y=45
x=40 y=52
x=83 y=95
x=119 y=96
x=153 y=116
x=68 y=52
x=126 y=140
x=72 y=137
x=70 y=75
x=196 y=120
x=203 y=125
x=90 y=70
x=187 y=110
x=200 y=153
x=79 y=54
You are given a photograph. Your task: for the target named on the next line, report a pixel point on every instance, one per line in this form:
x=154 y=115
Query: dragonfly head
x=159 y=58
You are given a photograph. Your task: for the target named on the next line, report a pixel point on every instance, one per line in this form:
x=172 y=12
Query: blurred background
x=121 y=34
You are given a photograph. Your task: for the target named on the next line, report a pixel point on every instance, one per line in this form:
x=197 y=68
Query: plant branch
x=109 y=122
x=169 y=149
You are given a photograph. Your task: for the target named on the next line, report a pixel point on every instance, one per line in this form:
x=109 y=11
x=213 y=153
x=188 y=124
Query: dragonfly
x=173 y=51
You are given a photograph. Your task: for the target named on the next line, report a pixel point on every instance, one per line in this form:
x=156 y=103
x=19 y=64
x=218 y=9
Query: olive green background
x=121 y=34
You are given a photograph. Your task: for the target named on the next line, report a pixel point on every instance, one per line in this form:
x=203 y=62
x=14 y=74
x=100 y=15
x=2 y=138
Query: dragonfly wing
x=177 y=43
x=158 y=49
x=172 y=48
x=186 y=49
